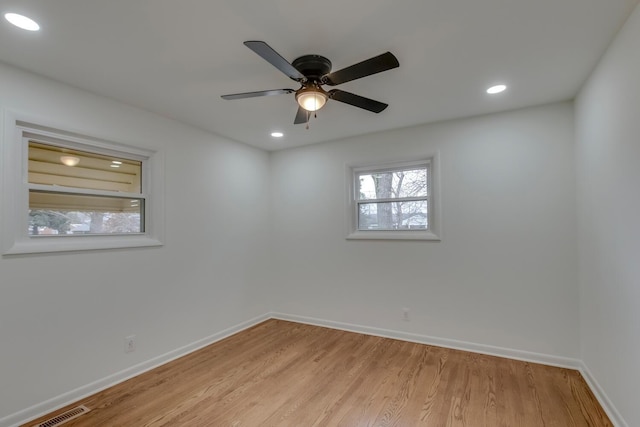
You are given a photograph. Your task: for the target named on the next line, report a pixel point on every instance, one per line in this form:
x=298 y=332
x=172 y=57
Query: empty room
x=279 y=213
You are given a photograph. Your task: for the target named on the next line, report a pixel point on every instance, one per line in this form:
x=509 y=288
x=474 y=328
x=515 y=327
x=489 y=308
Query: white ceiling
x=177 y=57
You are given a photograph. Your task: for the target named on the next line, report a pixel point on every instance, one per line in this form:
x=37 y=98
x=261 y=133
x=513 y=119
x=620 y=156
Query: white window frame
x=18 y=131
x=432 y=163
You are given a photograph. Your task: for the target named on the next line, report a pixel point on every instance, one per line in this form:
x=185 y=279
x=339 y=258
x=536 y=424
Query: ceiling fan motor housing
x=313 y=67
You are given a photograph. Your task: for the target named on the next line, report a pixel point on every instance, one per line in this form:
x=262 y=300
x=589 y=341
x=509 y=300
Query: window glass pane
x=51 y=165
x=392 y=184
x=393 y=216
x=59 y=213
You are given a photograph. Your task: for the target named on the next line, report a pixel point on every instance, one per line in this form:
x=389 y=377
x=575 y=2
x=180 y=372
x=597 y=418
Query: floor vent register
x=64 y=417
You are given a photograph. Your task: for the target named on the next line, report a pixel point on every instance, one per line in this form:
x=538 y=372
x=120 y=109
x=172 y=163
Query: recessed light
x=277 y=134
x=496 y=89
x=22 y=21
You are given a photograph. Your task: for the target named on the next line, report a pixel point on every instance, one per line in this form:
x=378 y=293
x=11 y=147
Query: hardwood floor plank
x=282 y=373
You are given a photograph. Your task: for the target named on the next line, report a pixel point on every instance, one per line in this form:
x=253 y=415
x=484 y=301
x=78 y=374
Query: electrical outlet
x=130 y=344
x=405 y=314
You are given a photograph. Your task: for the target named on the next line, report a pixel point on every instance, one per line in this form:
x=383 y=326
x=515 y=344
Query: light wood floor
x=288 y=374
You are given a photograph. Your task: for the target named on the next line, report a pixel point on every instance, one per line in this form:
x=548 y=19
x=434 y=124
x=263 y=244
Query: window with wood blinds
x=75 y=192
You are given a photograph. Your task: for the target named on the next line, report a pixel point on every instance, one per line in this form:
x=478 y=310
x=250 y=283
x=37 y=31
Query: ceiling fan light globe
x=311 y=100
x=69 y=160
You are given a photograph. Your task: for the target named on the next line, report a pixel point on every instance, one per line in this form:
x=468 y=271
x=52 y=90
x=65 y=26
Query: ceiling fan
x=313 y=72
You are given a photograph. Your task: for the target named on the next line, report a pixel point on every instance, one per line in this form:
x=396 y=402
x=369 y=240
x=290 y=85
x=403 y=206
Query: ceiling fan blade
x=272 y=57
x=357 y=100
x=302 y=116
x=374 y=65
x=256 y=94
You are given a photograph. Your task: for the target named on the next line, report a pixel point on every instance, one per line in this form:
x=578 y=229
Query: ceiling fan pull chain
x=308 y=117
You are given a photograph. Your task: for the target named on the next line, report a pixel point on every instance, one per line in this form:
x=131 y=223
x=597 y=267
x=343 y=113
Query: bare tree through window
x=393 y=199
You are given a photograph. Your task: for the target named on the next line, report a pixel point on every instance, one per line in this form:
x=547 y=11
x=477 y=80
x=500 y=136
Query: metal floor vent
x=64 y=417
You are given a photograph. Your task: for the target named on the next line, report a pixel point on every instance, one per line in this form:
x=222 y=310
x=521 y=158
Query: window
x=82 y=192
x=393 y=201
x=64 y=191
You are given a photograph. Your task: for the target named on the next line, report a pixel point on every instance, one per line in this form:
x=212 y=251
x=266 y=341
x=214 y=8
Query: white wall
x=63 y=316
x=505 y=272
x=608 y=155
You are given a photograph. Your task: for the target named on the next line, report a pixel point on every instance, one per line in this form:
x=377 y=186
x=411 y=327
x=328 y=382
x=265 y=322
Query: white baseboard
x=65 y=399
x=602 y=397
x=526 y=356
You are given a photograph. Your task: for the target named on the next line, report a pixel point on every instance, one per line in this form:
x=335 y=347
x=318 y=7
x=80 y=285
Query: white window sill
x=44 y=244
x=393 y=235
